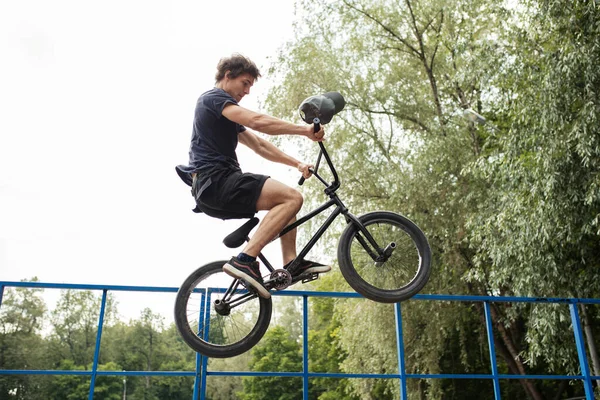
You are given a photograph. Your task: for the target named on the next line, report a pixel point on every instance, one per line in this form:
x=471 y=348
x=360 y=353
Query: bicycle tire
x=403 y=275
x=216 y=335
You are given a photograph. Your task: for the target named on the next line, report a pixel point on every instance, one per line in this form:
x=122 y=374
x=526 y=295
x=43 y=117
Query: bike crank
x=280 y=279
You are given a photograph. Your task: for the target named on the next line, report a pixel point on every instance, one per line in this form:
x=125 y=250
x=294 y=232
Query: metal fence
x=201 y=373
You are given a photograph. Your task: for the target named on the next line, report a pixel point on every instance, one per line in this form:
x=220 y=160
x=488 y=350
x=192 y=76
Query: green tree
x=178 y=357
x=145 y=344
x=537 y=232
x=325 y=352
x=74 y=387
x=277 y=352
x=401 y=144
x=139 y=346
x=69 y=387
x=75 y=325
x=21 y=344
x=407 y=69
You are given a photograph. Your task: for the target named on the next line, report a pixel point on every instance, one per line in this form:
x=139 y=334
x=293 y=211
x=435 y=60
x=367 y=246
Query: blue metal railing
x=201 y=372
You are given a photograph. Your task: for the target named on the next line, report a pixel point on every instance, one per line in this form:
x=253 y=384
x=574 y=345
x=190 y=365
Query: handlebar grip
x=302 y=179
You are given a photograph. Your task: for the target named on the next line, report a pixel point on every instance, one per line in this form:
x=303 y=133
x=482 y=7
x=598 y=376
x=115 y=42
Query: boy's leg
x=280 y=219
x=283 y=204
x=288 y=244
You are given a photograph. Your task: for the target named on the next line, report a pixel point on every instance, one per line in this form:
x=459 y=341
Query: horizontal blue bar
x=395 y=376
x=42 y=285
x=146 y=373
x=89 y=373
x=501 y=376
x=249 y=373
x=287 y=374
x=43 y=372
x=505 y=299
x=435 y=297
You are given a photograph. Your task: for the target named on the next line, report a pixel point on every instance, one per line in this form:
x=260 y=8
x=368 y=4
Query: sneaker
x=307 y=267
x=248 y=272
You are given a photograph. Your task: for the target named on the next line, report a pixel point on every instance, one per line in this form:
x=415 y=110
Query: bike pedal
x=310 y=278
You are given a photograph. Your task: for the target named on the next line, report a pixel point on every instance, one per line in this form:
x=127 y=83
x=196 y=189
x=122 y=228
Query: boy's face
x=238 y=87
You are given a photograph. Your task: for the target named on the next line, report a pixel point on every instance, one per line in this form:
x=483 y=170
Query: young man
x=220 y=188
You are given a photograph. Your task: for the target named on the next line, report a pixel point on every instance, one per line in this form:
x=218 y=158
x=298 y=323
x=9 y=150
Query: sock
x=243 y=257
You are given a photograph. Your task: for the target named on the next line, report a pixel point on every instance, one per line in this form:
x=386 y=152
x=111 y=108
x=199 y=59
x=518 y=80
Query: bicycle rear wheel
x=216 y=316
x=390 y=279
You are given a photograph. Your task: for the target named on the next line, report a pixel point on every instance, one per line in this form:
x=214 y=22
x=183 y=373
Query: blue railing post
x=490 y=337
x=97 y=350
x=1 y=294
x=305 y=347
x=206 y=328
x=400 y=347
x=579 y=342
x=199 y=357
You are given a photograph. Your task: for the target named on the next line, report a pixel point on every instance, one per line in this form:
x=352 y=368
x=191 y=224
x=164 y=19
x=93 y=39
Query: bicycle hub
x=222 y=308
x=387 y=253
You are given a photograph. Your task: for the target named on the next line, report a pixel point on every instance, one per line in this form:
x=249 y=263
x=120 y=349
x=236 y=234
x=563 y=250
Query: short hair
x=237 y=65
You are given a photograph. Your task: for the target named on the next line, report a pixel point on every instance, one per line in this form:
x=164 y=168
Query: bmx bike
x=382 y=255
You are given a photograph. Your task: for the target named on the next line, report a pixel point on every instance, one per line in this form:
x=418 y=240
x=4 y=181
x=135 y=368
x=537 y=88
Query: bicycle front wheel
x=398 y=275
x=216 y=316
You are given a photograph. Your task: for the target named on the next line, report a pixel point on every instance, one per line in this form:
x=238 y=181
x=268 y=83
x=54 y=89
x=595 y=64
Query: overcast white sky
x=96 y=109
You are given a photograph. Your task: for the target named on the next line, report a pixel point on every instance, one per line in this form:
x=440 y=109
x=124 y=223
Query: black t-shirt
x=214 y=137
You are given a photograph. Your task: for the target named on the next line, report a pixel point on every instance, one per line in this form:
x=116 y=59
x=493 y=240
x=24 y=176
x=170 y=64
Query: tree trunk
x=514 y=355
x=422 y=392
x=561 y=389
x=428 y=68
x=505 y=347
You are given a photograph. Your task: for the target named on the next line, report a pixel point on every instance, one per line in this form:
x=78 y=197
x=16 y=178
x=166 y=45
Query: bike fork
x=382 y=254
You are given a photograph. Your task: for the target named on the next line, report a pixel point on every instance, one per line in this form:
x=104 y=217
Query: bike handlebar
x=316 y=128
x=333 y=186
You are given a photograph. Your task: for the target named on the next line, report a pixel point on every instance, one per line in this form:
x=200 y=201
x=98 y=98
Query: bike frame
x=369 y=244
x=340 y=208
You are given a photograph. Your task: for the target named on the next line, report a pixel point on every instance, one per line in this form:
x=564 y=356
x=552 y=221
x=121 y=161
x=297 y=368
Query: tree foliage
x=277 y=352
x=21 y=347
x=511 y=209
x=537 y=231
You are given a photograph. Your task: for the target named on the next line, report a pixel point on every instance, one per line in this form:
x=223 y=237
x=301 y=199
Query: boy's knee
x=296 y=199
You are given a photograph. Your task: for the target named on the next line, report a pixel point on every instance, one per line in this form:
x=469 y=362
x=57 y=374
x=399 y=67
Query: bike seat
x=238 y=237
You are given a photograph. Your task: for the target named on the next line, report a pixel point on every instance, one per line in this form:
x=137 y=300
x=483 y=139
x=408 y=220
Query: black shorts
x=228 y=194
